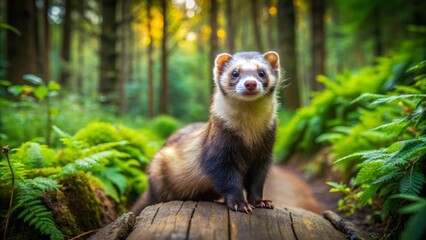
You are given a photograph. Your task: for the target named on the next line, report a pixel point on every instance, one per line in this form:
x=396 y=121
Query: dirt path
x=288 y=189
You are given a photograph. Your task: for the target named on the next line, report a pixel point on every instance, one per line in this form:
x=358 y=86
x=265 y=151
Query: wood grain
x=210 y=220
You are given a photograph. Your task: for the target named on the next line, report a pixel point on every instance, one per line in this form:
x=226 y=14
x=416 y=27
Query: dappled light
x=189 y=119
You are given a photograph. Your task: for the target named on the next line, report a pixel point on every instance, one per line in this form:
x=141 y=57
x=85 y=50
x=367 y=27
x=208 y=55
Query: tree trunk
x=123 y=58
x=377 y=33
x=164 y=93
x=318 y=41
x=66 y=45
x=230 y=27
x=108 y=70
x=287 y=48
x=21 y=50
x=150 y=64
x=80 y=47
x=256 y=29
x=213 y=38
x=46 y=45
x=271 y=26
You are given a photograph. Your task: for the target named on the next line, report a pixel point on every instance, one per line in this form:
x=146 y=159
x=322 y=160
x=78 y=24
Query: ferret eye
x=235 y=74
x=262 y=74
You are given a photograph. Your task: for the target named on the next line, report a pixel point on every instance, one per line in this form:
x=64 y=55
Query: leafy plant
x=101 y=156
x=398 y=168
x=32 y=210
x=331 y=107
x=42 y=92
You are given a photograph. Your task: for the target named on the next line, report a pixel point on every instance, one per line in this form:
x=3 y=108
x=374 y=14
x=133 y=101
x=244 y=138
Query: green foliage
x=416 y=226
x=112 y=157
x=331 y=107
x=397 y=169
x=32 y=210
x=164 y=125
x=351 y=200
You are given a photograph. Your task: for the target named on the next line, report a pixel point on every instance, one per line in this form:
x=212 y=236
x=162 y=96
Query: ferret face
x=247 y=75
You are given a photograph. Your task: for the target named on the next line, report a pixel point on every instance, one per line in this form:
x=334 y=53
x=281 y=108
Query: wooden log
x=210 y=220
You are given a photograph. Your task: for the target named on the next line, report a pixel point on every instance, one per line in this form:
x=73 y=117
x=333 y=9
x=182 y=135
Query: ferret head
x=247 y=75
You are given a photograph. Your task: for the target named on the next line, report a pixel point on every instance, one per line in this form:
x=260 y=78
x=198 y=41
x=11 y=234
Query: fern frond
x=412 y=183
x=368 y=172
x=409 y=149
x=395 y=98
x=393 y=128
x=388 y=177
x=367 y=96
x=102 y=147
x=357 y=155
x=89 y=162
x=67 y=139
x=368 y=194
x=389 y=189
x=32 y=210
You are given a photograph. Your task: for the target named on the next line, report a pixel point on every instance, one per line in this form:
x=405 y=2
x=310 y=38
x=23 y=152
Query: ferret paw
x=263 y=204
x=240 y=206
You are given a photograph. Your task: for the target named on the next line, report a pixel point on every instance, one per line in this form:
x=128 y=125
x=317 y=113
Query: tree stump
x=210 y=220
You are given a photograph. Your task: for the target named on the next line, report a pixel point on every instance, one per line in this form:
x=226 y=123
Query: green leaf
x=412 y=182
x=15 y=90
x=393 y=128
x=367 y=96
x=41 y=92
x=419 y=66
x=11 y=28
x=368 y=172
x=416 y=227
x=53 y=86
x=368 y=194
x=5 y=83
x=34 y=79
x=357 y=155
x=395 y=98
x=413 y=208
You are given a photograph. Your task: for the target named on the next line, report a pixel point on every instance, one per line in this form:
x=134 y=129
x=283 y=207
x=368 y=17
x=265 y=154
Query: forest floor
x=288 y=186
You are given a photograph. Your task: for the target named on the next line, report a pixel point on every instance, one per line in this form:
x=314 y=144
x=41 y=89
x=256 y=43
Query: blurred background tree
x=139 y=57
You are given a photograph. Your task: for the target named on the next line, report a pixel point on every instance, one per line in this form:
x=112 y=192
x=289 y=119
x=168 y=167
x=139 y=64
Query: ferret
x=230 y=153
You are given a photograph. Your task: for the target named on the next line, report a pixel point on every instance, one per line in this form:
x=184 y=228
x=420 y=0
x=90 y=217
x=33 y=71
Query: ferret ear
x=221 y=59
x=273 y=59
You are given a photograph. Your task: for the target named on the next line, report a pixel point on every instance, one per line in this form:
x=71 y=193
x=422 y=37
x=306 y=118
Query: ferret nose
x=250 y=85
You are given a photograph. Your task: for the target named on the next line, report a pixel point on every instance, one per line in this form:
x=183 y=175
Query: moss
x=82 y=201
x=64 y=219
x=98 y=132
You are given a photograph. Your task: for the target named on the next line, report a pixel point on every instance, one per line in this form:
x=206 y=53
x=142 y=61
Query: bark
x=377 y=33
x=21 y=50
x=108 y=55
x=230 y=27
x=164 y=98
x=318 y=41
x=287 y=48
x=150 y=64
x=256 y=28
x=46 y=45
x=80 y=47
x=66 y=45
x=213 y=37
x=123 y=59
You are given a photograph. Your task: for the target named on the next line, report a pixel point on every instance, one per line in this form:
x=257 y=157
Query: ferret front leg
x=227 y=182
x=254 y=187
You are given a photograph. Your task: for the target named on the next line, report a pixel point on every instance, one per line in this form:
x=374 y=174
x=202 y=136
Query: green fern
x=30 y=208
x=412 y=183
x=90 y=162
